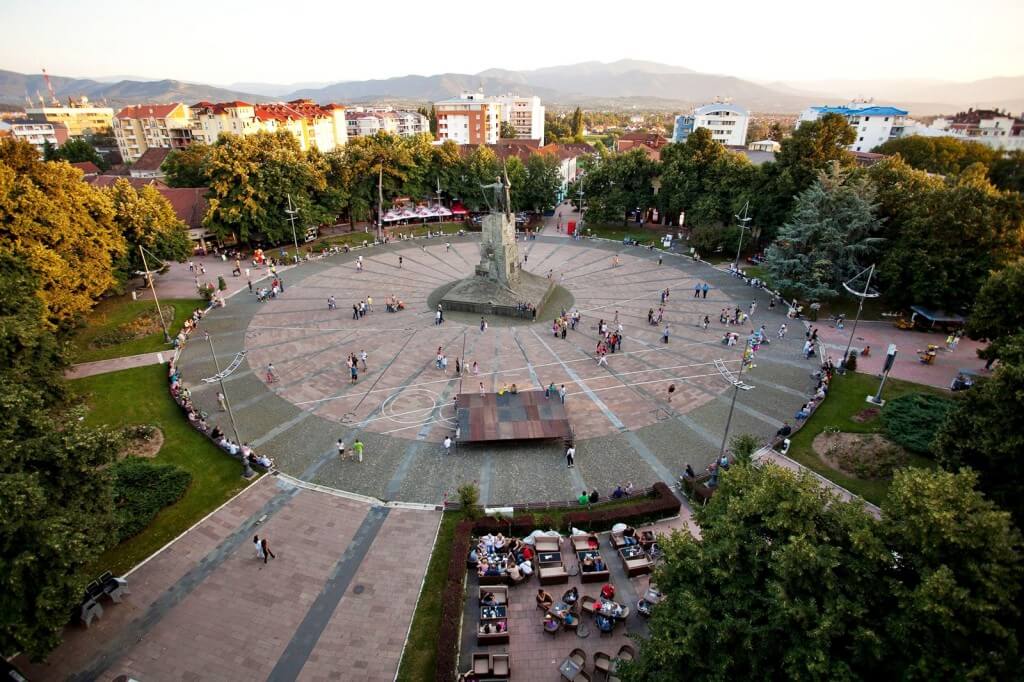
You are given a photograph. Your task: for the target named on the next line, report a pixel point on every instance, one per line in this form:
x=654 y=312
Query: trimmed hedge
x=141 y=489
x=660 y=503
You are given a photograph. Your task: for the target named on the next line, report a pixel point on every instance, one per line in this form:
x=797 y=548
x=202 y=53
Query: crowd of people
x=498 y=556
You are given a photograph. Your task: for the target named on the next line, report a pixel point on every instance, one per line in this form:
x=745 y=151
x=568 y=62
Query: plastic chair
x=626 y=653
x=602 y=662
x=580 y=656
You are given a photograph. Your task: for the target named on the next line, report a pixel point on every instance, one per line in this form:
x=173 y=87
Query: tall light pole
x=219 y=377
x=737 y=384
x=149 y=279
x=742 y=224
x=380 y=202
x=292 y=212
x=582 y=179
x=861 y=295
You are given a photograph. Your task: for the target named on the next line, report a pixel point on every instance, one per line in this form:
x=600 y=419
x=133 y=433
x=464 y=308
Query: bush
x=709 y=239
x=744 y=446
x=876 y=462
x=142 y=489
x=139 y=432
x=851 y=361
x=912 y=420
x=469 y=497
x=221 y=284
x=206 y=291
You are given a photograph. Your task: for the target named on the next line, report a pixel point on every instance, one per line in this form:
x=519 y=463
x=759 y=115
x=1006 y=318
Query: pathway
x=336 y=603
x=88 y=369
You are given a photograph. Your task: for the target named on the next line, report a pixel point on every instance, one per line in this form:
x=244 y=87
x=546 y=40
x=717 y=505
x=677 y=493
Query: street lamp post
x=742 y=224
x=219 y=377
x=737 y=384
x=152 y=287
x=292 y=212
x=861 y=295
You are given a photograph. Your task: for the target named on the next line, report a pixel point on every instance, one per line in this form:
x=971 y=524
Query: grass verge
x=139 y=396
x=420 y=655
x=114 y=312
x=617 y=232
x=846 y=399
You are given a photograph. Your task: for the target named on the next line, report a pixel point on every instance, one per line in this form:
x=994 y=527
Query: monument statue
x=499 y=253
x=502 y=203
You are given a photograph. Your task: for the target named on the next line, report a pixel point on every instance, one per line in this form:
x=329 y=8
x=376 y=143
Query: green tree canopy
x=61 y=227
x=77 y=150
x=787 y=582
x=985 y=430
x=507 y=131
x=543 y=180
x=56 y=496
x=145 y=218
x=480 y=167
x=1007 y=172
x=830 y=238
x=188 y=167
x=942 y=155
x=997 y=312
x=251 y=179
x=616 y=184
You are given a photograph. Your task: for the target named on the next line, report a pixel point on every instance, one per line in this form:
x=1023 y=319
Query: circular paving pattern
x=401 y=405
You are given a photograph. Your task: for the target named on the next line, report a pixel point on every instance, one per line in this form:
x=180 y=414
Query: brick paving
x=401 y=406
x=206 y=609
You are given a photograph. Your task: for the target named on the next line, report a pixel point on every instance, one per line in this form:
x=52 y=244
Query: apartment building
x=474 y=118
x=313 y=125
x=79 y=118
x=727 y=123
x=152 y=126
x=526 y=114
x=999 y=130
x=366 y=121
x=38 y=133
x=873 y=125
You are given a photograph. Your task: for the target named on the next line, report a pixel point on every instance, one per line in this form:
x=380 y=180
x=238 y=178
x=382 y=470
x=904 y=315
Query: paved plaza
x=401 y=407
x=335 y=604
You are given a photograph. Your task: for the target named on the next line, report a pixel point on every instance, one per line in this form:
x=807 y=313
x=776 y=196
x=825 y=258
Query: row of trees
x=950 y=156
x=78 y=241
x=251 y=179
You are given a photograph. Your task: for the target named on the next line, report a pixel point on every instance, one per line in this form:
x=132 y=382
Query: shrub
x=874 y=461
x=139 y=432
x=912 y=420
x=206 y=291
x=469 y=496
x=851 y=361
x=142 y=489
x=744 y=446
x=221 y=284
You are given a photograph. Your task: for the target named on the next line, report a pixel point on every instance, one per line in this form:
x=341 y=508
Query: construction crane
x=49 y=86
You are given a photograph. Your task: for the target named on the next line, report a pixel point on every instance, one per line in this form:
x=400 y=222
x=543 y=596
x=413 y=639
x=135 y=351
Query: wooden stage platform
x=526 y=415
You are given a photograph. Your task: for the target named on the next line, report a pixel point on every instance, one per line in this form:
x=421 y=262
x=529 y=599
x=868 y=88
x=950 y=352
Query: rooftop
x=846 y=110
x=151 y=159
x=148 y=110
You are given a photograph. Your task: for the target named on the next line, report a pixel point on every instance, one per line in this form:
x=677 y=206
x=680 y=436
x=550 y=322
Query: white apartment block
x=152 y=126
x=363 y=122
x=873 y=125
x=995 y=129
x=726 y=122
x=38 y=133
x=313 y=125
x=474 y=118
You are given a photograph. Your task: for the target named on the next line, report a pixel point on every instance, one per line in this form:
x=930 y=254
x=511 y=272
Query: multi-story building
x=80 y=118
x=727 y=123
x=526 y=114
x=38 y=133
x=313 y=125
x=152 y=126
x=873 y=125
x=998 y=130
x=471 y=118
x=363 y=122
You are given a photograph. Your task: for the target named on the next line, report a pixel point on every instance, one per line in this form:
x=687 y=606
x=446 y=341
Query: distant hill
x=923 y=95
x=418 y=88
x=13 y=87
x=274 y=89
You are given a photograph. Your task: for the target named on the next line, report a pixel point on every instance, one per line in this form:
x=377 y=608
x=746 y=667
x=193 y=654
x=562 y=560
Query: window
x=861 y=139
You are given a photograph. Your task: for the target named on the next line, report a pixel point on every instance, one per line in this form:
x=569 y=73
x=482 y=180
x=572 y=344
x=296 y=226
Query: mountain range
x=625 y=84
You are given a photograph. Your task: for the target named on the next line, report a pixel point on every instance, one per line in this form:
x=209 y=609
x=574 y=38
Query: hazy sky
x=225 y=41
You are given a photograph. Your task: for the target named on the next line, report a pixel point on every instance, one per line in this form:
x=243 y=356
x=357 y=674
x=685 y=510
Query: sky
x=229 y=41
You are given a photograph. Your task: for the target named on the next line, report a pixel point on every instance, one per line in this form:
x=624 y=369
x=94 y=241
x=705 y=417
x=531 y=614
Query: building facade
x=873 y=125
x=474 y=118
x=526 y=114
x=313 y=125
x=996 y=129
x=364 y=122
x=152 y=126
x=38 y=133
x=726 y=122
x=80 y=118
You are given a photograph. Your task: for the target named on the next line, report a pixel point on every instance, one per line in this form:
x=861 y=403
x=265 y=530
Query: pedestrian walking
x=357 y=449
x=782 y=331
x=271 y=376
x=696 y=290
x=369 y=303
x=570 y=456
x=341 y=449
x=447 y=445
x=753 y=307
x=354 y=371
x=671 y=390
x=331 y=303
x=664 y=335
x=362 y=358
x=476 y=369
x=267 y=554
x=249 y=282
x=562 y=393
x=222 y=402
x=260 y=554
x=707 y=321
x=482 y=391
x=399 y=261
x=704 y=290
x=659 y=259
x=458 y=367
x=191 y=266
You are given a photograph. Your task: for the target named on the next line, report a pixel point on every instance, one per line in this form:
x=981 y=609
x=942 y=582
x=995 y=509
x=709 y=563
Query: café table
x=570 y=669
x=559 y=609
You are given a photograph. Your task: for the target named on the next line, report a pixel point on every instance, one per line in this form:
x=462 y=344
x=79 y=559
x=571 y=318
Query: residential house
x=727 y=123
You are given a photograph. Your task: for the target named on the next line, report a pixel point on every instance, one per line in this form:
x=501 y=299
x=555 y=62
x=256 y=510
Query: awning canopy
x=459 y=209
x=938 y=316
x=418 y=213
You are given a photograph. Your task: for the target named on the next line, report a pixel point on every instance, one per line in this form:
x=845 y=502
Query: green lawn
x=846 y=399
x=421 y=650
x=617 y=232
x=114 y=312
x=139 y=396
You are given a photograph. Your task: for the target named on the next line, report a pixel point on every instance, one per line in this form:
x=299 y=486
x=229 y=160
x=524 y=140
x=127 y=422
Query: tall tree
x=942 y=155
x=61 y=227
x=617 y=184
x=56 y=494
x=1007 y=172
x=507 y=131
x=251 y=179
x=480 y=167
x=787 y=582
x=997 y=312
x=76 y=151
x=985 y=430
x=145 y=218
x=576 y=124
x=812 y=148
x=831 y=236
x=384 y=159
x=543 y=180
x=188 y=167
